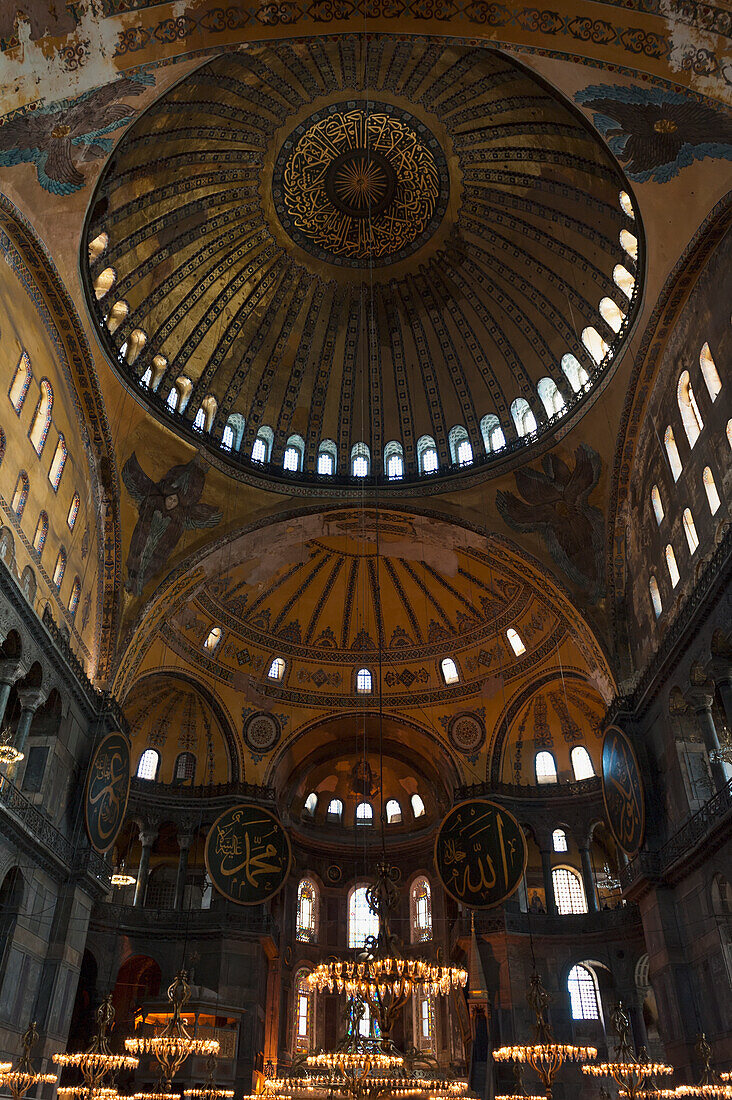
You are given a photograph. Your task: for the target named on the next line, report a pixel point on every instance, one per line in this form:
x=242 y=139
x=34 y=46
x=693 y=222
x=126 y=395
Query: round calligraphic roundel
x=480 y=853
x=622 y=790
x=466 y=733
x=261 y=732
x=360 y=183
x=107 y=789
x=248 y=854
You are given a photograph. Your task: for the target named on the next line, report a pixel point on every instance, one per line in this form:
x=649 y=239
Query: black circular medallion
x=247 y=854
x=622 y=790
x=107 y=788
x=480 y=853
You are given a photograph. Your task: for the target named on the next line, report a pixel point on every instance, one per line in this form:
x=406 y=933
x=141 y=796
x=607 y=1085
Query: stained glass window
x=74 y=597
x=42 y=417
x=21 y=382
x=59 y=461
x=307 y=911
x=421 y=910
x=73 y=511
x=362 y=921
x=39 y=539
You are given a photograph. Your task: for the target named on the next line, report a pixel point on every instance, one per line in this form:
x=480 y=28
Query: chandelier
x=98 y=1060
x=545 y=1057
x=23 y=1077
x=120 y=877
x=711 y=1083
x=174 y=1044
x=629 y=1072
x=8 y=752
x=380 y=975
x=210 y=1091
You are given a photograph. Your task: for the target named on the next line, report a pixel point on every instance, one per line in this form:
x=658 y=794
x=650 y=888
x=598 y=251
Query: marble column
x=184 y=844
x=546 y=870
x=147 y=839
x=30 y=699
x=700 y=699
x=588 y=879
x=10 y=672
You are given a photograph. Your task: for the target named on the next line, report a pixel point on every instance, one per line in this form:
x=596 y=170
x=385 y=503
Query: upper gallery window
x=294 y=452
x=327 y=456
x=57 y=465
x=559 y=840
x=551 y=398
x=581 y=763
x=449 y=671
x=583 y=998
x=307 y=911
x=711 y=490
x=574 y=372
x=710 y=372
x=492 y=432
x=276 y=669
x=545 y=767
x=657 y=504
x=42 y=418
x=73 y=511
x=691 y=418
x=185 y=768
x=421 y=906
x=360 y=460
x=311 y=803
x=364 y=814
x=59 y=568
x=672 y=451
x=363 y=681
x=39 y=538
x=427 y=455
x=673 y=569
x=213 y=638
x=21 y=382
x=394 y=460
x=523 y=417
x=393 y=812
x=148 y=765
x=690 y=530
x=335 y=809
x=655 y=597
x=568 y=891
x=515 y=642
x=417 y=805
x=20 y=494
x=362 y=921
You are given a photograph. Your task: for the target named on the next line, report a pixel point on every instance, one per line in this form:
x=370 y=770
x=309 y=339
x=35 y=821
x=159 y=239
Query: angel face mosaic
x=360 y=183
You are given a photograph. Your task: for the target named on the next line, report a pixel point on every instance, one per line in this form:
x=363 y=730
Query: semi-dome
x=369 y=257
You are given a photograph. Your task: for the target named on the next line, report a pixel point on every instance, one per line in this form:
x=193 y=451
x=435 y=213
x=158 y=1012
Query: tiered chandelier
x=380 y=975
x=628 y=1071
x=98 y=1061
x=174 y=1044
x=545 y=1056
x=22 y=1077
x=210 y=1091
x=711 y=1083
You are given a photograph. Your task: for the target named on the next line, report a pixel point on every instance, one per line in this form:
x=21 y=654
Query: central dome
x=360 y=183
x=369 y=257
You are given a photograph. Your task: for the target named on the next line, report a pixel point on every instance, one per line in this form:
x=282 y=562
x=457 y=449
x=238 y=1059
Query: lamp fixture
x=629 y=1072
x=96 y=1062
x=23 y=1077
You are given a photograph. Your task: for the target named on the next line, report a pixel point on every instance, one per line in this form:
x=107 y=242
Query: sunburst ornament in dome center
x=361 y=183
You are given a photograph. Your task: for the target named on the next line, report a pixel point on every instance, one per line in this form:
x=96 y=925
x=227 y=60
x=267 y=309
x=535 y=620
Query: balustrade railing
x=562 y=789
x=150 y=789
x=171 y=922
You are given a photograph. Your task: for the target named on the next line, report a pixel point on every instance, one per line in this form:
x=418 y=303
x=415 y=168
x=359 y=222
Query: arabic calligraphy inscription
x=480 y=853
x=622 y=789
x=247 y=854
x=107 y=789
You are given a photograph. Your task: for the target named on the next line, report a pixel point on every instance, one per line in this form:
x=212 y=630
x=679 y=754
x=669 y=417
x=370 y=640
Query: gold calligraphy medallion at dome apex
x=360 y=184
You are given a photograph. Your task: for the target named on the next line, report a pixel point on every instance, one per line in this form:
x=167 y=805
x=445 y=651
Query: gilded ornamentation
x=361 y=184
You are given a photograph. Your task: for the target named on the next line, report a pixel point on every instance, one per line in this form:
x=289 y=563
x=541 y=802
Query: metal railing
x=655 y=864
x=151 y=789
x=607 y=921
x=172 y=922
x=590 y=788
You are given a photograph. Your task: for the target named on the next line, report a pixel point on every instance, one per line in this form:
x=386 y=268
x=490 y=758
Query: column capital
x=148 y=836
x=720 y=670
x=700 y=696
x=31 y=698
x=185 y=840
x=11 y=670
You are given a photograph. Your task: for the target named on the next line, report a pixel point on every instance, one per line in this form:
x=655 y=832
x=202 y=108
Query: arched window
x=523 y=417
x=657 y=504
x=304 y=1014
x=98 y=246
x=574 y=372
x=545 y=767
x=624 y=280
x=327 y=457
x=690 y=530
x=420 y=904
x=21 y=382
x=655 y=597
x=460 y=449
x=311 y=804
x=449 y=671
x=581 y=763
x=364 y=814
x=612 y=314
x=39 y=539
x=673 y=569
x=626 y=205
x=360 y=460
x=711 y=490
x=74 y=597
x=597 y=347
x=233 y=432
x=335 y=809
x=362 y=921
x=394 y=460
x=42 y=417
x=568 y=891
x=363 y=681
x=185 y=768
x=148 y=765
x=213 y=638
x=20 y=494
x=551 y=398
x=514 y=640
x=104 y=282
x=393 y=812
x=583 y=997
x=59 y=568
x=116 y=316
x=276 y=669
x=199 y=421
x=28 y=584
x=710 y=372
x=417 y=805
x=559 y=840
x=690 y=415
x=492 y=432
x=424 y=1013
x=58 y=463
x=294 y=452
x=629 y=244
x=427 y=458
x=173 y=399
x=73 y=512
x=263 y=444
x=7 y=547
x=672 y=451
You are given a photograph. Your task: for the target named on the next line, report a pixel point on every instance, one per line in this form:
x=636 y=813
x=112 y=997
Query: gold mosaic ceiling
x=357 y=240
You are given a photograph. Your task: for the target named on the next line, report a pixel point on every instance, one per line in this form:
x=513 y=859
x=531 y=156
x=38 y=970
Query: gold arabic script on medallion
x=361 y=185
